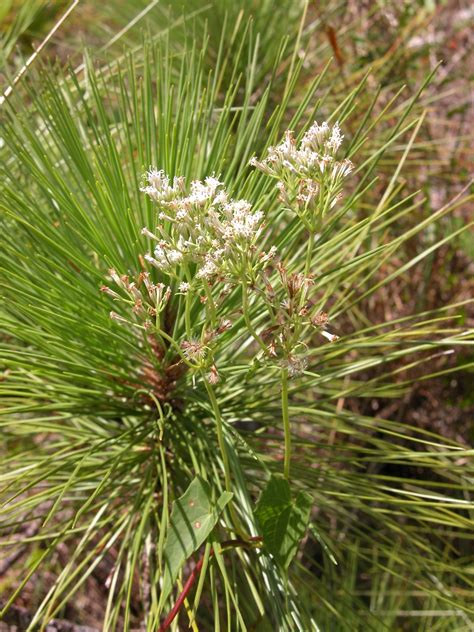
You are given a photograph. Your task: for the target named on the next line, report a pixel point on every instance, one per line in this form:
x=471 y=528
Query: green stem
x=245 y=309
x=286 y=422
x=224 y=453
x=307 y=270
x=187 y=315
x=309 y=254
x=220 y=433
x=187 y=305
x=211 y=304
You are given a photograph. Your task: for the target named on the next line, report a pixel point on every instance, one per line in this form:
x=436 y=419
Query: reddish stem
x=184 y=593
x=192 y=578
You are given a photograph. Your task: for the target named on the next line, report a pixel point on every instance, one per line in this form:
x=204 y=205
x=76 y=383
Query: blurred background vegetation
x=395 y=45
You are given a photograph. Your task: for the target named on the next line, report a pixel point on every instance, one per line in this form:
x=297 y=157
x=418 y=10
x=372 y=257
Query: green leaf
x=193 y=517
x=283 y=520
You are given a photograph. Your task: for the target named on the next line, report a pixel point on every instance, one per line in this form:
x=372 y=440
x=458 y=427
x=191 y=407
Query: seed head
x=320 y=319
x=193 y=350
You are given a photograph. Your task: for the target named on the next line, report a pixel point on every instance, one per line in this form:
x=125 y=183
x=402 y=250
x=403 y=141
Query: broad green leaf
x=193 y=517
x=283 y=520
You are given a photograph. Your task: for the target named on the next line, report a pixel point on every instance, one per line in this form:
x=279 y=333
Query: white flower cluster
x=204 y=227
x=310 y=178
x=158 y=186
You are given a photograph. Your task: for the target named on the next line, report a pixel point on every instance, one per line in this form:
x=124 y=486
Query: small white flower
x=151 y=260
x=159 y=188
x=221 y=198
x=202 y=192
x=213 y=183
x=174 y=256
x=159 y=253
x=329 y=336
x=109 y=291
x=117 y=317
x=157 y=179
x=147 y=233
x=115 y=277
x=208 y=270
x=268 y=256
x=342 y=169
x=184 y=287
x=335 y=139
x=315 y=138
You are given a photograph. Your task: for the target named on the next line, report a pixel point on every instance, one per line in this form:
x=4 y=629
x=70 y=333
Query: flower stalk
x=286 y=422
x=224 y=454
x=245 y=310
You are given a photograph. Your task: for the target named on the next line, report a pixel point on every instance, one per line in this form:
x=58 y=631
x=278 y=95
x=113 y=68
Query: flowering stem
x=187 y=305
x=286 y=422
x=187 y=315
x=211 y=304
x=220 y=433
x=309 y=254
x=224 y=452
x=307 y=270
x=245 y=309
